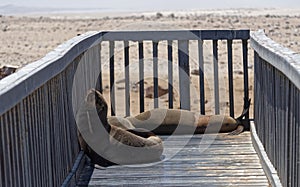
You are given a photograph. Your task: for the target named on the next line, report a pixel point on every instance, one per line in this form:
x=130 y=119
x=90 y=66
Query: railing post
x=201 y=77
x=141 y=76
x=170 y=73
x=184 y=74
x=127 y=83
x=230 y=78
x=216 y=76
x=245 y=67
x=155 y=73
x=112 y=76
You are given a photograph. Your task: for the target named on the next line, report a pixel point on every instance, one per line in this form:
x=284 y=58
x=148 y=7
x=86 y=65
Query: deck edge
x=267 y=165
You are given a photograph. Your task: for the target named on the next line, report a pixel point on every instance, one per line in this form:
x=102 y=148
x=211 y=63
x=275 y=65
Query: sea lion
x=169 y=121
x=107 y=144
x=114 y=135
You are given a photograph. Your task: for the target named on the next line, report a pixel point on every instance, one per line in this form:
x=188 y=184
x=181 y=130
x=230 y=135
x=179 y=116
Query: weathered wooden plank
x=189 y=166
x=178 y=175
x=221 y=164
x=259 y=184
x=223 y=181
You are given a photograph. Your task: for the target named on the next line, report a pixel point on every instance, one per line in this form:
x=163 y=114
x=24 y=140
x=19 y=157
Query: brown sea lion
x=110 y=134
x=169 y=121
x=107 y=144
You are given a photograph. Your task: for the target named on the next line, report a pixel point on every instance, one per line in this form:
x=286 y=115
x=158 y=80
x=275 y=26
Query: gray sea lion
x=107 y=144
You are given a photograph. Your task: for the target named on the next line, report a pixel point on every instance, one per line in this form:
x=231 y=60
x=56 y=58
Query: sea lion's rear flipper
x=243 y=124
x=246 y=107
x=237 y=131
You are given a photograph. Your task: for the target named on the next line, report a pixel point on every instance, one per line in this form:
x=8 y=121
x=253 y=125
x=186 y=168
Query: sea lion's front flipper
x=141 y=132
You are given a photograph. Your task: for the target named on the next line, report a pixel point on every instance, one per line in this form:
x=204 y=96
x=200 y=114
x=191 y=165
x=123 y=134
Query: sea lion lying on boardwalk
x=169 y=121
x=116 y=138
x=107 y=144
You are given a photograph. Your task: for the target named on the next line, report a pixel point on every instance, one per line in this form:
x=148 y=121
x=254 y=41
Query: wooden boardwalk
x=226 y=161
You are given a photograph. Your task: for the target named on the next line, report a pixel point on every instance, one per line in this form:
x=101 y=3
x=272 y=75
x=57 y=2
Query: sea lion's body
x=169 y=121
x=132 y=140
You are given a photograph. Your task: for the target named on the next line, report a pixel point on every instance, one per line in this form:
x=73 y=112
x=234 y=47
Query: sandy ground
x=24 y=39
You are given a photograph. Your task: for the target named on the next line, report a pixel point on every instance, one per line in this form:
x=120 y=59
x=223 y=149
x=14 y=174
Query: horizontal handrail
x=175 y=35
x=17 y=86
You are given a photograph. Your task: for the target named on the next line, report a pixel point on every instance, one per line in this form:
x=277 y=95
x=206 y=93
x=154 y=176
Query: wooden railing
x=179 y=44
x=37 y=104
x=38 y=135
x=277 y=105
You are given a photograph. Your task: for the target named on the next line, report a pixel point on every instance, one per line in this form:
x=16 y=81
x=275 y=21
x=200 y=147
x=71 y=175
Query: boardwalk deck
x=228 y=161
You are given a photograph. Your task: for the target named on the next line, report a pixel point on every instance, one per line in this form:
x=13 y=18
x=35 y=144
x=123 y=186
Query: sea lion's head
x=228 y=124
x=95 y=99
x=221 y=123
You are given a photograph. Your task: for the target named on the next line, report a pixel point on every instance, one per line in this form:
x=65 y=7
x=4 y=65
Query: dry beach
x=27 y=38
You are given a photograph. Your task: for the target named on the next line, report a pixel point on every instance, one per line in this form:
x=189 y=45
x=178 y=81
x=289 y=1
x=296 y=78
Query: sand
x=27 y=38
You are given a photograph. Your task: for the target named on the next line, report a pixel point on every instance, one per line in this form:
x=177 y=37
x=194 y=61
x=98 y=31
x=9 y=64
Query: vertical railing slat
x=230 y=78
x=3 y=143
x=16 y=135
x=99 y=85
x=297 y=101
x=216 y=76
x=12 y=146
x=170 y=73
x=127 y=83
x=201 y=77
x=155 y=73
x=112 y=76
x=48 y=130
x=141 y=76
x=25 y=125
x=245 y=67
x=8 y=145
x=2 y=172
x=184 y=74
